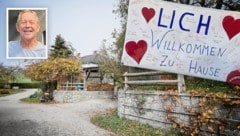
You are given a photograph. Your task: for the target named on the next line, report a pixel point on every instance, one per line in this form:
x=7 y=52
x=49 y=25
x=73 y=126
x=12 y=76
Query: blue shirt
x=16 y=51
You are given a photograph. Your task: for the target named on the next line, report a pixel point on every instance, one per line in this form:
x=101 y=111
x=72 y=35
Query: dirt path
x=21 y=119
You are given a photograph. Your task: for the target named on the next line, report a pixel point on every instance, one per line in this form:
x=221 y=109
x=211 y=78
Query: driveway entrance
x=71 y=119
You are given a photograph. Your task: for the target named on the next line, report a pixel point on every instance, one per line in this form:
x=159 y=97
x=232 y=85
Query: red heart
x=231 y=26
x=136 y=50
x=148 y=13
x=234 y=77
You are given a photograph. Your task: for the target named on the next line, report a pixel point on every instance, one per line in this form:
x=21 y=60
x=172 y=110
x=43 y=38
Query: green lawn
x=125 y=127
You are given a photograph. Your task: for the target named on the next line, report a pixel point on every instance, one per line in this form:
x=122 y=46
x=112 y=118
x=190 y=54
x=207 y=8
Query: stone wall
x=154 y=108
x=76 y=96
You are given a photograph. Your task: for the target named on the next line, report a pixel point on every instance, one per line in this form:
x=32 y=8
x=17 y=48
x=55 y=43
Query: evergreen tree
x=61 y=49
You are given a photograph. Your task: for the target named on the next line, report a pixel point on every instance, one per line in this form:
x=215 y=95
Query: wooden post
x=125 y=80
x=84 y=81
x=181 y=83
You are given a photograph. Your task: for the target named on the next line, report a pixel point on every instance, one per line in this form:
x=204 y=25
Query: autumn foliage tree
x=60 y=64
x=52 y=69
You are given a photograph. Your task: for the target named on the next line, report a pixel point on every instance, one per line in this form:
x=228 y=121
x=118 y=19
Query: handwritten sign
x=183 y=39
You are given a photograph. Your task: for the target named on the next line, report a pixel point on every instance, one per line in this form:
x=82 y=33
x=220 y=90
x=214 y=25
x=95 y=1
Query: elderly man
x=27 y=47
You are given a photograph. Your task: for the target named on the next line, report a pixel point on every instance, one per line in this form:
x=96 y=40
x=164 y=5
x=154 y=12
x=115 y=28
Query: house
x=90 y=65
x=93 y=75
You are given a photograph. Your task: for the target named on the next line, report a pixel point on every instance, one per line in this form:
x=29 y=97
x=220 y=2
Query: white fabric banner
x=183 y=39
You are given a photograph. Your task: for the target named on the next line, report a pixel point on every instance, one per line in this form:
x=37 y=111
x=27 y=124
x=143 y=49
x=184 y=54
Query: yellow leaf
x=210 y=128
x=174 y=125
x=237 y=102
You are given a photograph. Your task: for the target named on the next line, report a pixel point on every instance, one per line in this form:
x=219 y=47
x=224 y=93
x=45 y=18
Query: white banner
x=183 y=39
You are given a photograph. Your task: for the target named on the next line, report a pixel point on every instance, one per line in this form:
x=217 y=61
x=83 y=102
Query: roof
x=86 y=66
x=91 y=59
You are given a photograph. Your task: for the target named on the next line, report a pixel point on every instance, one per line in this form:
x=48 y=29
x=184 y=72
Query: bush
x=36 y=95
x=4 y=92
x=34 y=98
x=22 y=85
x=99 y=87
x=206 y=85
x=27 y=85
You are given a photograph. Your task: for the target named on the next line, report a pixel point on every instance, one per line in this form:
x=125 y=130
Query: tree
x=8 y=74
x=61 y=48
x=53 y=69
x=233 y=5
x=60 y=64
x=112 y=65
x=122 y=12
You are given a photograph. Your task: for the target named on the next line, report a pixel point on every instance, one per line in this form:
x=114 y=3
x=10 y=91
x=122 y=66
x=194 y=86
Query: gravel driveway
x=72 y=119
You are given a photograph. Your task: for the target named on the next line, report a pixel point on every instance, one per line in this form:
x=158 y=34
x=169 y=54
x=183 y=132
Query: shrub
x=22 y=85
x=99 y=87
x=35 y=95
x=5 y=92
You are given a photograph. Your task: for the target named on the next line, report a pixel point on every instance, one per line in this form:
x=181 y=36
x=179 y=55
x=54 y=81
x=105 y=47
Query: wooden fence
x=180 y=82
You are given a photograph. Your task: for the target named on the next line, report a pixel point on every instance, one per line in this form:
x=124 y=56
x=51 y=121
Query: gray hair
x=24 y=11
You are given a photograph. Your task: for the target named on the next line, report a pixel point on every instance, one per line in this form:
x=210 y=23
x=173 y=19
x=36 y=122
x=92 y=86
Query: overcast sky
x=83 y=23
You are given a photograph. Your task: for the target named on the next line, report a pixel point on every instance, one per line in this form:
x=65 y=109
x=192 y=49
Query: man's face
x=28 y=26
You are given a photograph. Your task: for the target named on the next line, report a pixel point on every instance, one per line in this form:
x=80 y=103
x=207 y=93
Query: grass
x=35 y=98
x=125 y=127
x=6 y=92
x=210 y=86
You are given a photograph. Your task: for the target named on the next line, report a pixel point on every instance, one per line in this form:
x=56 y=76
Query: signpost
x=183 y=39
